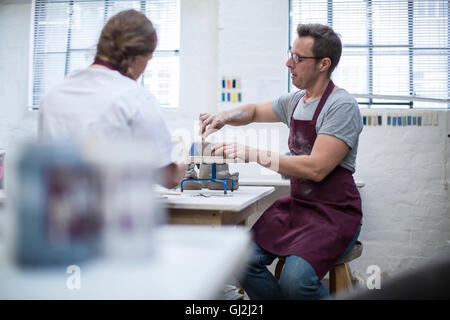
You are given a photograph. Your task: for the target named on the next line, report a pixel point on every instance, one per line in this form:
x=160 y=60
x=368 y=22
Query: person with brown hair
x=320 y=220
x=106 y=99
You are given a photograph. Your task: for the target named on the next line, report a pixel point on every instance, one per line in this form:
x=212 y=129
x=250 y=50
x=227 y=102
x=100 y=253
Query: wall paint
x=14 y=48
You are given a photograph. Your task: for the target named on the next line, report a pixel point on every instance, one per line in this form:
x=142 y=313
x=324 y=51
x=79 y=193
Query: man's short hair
x=326 y=42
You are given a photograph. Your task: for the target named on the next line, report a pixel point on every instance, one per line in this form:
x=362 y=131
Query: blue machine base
x=212 y=179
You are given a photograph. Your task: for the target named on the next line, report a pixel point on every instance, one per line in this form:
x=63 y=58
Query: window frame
x=32 y=81
x=396 y=100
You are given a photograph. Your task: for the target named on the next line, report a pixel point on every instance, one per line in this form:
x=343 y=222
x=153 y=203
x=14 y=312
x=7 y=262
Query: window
x=65 y=34
x=395 y=53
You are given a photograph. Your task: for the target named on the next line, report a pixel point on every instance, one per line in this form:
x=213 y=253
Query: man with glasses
x=320 y=220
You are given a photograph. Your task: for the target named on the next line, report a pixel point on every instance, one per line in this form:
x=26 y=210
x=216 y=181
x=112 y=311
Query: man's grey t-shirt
x=340 y=117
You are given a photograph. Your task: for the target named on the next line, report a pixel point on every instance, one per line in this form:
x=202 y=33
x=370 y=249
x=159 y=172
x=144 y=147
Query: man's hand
x=210 y=123
x=234 y=151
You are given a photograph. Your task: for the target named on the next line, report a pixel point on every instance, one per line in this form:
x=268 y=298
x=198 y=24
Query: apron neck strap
x=104 y=63
x=323 y=99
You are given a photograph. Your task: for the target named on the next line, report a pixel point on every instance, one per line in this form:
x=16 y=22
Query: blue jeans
x=298 y=279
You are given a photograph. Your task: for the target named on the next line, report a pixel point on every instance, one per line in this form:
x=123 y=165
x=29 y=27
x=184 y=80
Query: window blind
x=396 y=53
x=65 y=35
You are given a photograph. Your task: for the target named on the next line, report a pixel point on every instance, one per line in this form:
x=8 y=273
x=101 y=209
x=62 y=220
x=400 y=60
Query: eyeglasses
x=297 y=58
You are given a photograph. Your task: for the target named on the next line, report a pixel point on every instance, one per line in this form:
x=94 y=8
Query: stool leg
x=279 y=267
x=340 y=278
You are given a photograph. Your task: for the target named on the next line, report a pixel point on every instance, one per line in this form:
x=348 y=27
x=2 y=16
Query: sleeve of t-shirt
x=284 y=105
x=343 y=120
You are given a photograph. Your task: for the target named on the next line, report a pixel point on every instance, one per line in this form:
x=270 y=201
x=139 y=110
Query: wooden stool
x=340 y=274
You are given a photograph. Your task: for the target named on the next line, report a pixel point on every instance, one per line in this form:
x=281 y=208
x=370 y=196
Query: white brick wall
x=253 y=39
x=406 y=207
x=14 y=48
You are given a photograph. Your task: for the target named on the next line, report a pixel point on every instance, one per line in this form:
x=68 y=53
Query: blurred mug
x=57 y=206
x=75 y=201
x=130 y=214
x=130 y=210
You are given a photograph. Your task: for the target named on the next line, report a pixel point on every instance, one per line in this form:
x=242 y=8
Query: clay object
x=206 y=148
x=207 y=157
x=191 y=174
x=219 y=185
x=222 y=171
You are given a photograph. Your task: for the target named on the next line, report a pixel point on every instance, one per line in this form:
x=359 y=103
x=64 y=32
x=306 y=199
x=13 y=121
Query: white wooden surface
x=272 y=181
x=216 y=199
x=277 y=181
x=211 y=160
x=189 y=262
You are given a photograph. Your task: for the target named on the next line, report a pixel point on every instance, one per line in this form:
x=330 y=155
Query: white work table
x=272 y=181
x=217 y=208
x=216 y=200
x=189 y=262
x=277 y=181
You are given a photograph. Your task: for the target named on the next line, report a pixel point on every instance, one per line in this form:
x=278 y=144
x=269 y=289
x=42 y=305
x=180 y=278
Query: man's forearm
x=298 y=166
x=328 y=151
x=240 y=116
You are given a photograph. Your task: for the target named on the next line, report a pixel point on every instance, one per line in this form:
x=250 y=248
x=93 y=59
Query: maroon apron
x=319 y=219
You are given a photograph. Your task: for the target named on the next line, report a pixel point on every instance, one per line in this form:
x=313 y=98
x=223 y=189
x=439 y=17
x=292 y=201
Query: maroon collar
x=104 y=63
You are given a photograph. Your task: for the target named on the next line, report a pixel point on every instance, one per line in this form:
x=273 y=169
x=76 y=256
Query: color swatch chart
x=230 y=89
x=402 y=119
x=372 y=120
x=416 y=119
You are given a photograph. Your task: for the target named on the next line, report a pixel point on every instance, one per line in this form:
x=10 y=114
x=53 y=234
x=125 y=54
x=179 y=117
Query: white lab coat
x=101 y=101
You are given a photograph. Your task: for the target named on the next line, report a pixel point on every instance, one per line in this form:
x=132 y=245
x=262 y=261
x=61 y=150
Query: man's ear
x=325 y=64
